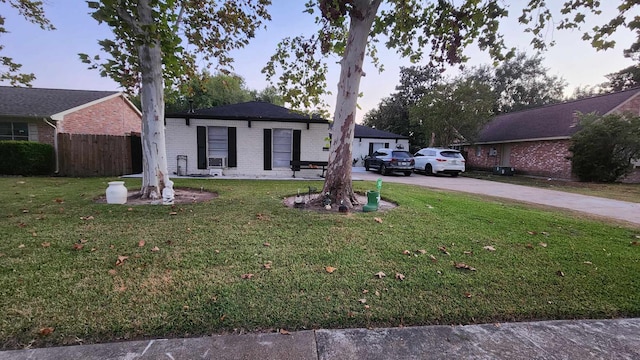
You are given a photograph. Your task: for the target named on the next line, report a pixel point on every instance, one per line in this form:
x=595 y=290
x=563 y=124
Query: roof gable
x=551 y=121
x=252 y=110
x=37 y=102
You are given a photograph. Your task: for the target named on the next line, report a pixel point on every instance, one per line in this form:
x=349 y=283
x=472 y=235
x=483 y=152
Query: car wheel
x=383 y=169
x=455 y=174
x=407 y=173
x=428 y=170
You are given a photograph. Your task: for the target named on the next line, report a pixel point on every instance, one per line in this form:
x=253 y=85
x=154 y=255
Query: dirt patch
x=362 y=199
x=182 y=196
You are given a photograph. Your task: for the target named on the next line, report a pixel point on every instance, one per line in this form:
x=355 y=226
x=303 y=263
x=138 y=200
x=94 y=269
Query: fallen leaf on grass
x=433 y=258
x=21 y=246
x=544 y=245
x=77 y=246
x=59 y=200
x=362 y=301
x=46 y=244
x=489 y=247
x=365 y=291
x=141 y=243
x=121 y=259
x=246 y=276
x=267 y=265
x=635 y=243
x=155 y=249
x=262 y=217
x=467 y=295
x=529 y=246
x=25 y=211
x=406 y=252
x=22 y=225
x=266 y=244
x=378 y=220
x=330 y=269
x=400 y=276
x=531 y=232
x=560 y=273
x=588 y=263
x=379 y=275
x=443 y=250
x=468 y=252
x=377 y=293
x=463 y=266
x=46 y=331
x=173 y=213
x=421 y=251
x=284 y=332
x=129 y=209
x=86 y=218
x=545 y=233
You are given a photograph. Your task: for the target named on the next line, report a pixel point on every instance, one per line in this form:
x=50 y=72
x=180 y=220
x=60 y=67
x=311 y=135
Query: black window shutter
x=386 y=145
x=202 y=146
x=370 y=148
x=232 y=147
x=267 y=149
x=297 y=137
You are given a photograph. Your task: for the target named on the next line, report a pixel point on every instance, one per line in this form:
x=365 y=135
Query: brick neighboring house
x=255 y=139
x=536 y=141
x=37 y=114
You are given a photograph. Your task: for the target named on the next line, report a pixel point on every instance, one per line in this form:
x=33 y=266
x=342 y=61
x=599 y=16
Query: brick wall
x=540 y=158
x=111 y=117
x=632 y=106
x=45 y=133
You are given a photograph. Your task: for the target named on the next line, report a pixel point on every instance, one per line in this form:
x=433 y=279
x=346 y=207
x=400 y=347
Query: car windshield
x=401 y=154
x=451 y=154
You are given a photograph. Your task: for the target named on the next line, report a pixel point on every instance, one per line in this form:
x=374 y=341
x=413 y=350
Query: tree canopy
x=33 y=12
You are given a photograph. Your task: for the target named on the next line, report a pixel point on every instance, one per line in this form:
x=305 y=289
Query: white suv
x=434 y=160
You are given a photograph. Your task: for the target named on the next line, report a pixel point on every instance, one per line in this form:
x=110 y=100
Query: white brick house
x=255 y=139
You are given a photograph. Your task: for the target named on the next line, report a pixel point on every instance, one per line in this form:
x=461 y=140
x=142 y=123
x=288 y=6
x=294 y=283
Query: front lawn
x=74 y=271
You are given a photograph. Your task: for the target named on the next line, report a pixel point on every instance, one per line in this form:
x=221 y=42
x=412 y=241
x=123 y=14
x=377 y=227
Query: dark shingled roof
x=253 y=110
x=362 y=131
x=551 y=121
x=35 y=102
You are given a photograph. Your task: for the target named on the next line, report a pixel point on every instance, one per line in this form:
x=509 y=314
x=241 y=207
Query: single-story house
x=39 y=115
x=256 y=139
x=536 y=141
x=366 y=140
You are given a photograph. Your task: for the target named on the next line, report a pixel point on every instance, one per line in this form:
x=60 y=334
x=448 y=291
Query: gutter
x=55 y=143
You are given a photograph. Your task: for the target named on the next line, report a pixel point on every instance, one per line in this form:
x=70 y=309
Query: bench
x=297 y=165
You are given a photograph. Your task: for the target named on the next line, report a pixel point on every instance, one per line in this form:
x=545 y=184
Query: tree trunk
x=338 y=178
x=155 y=175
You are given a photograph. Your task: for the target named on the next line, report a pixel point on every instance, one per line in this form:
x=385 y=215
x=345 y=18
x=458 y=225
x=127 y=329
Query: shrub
x=604 y=148
x=26 y=158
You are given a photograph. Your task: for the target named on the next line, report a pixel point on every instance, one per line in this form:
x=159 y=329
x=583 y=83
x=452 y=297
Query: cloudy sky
x=52 y=55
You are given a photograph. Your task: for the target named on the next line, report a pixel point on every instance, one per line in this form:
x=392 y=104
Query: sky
x=53 y=55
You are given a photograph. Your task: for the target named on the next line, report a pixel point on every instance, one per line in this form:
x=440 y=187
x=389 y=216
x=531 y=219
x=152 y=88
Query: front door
x=505 y=155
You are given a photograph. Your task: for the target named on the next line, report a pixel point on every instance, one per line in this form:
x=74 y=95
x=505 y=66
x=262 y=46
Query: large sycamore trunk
x=155 y=174
x=338 y=178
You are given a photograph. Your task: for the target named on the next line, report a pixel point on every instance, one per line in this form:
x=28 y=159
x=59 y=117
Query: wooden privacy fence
x=85 y=155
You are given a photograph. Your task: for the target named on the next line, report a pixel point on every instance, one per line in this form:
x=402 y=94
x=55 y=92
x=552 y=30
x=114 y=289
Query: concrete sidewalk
x=586 y=339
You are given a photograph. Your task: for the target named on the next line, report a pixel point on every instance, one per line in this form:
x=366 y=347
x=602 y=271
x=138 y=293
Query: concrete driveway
x=627 y=212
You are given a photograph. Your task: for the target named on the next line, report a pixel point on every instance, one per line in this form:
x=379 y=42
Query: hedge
x=26 y=158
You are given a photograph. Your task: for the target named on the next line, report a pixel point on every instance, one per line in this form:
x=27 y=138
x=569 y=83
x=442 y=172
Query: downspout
x=55 y=143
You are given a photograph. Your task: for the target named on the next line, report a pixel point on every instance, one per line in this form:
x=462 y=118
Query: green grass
x=616 y=191
x=193 y=285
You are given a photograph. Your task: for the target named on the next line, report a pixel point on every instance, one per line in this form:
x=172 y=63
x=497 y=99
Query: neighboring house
x=41 y=114
x=366 y=140
x=536 y=141
x=256 y=139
